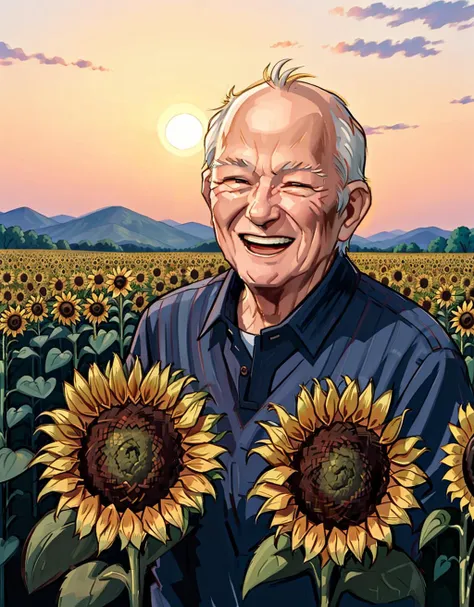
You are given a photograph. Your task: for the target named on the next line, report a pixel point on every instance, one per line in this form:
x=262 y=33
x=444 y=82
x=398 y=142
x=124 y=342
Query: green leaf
x=127 y=302
x=442 y=566
x=8 y=548
x=128 y=316
x=39 y=341
x=25 y=352
x=52 y=548
x=154 y=548
x=470 y=367
x=116 y=572
x=129 y=330
x=392 y=577
x=84 y=328
x=73 y=338
x=2 y=440
x=113 y=310
x=273 y=562
x=127 y=340
x=435 y=523
x=85 y=586
x=56 y=359
x=15 y=416
x=13 y=463
x=38 y=388
x=59 y=333
x=103 y=340
x=86 y=350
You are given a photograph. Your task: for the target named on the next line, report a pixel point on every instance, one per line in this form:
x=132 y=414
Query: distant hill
x=422 y=237
x=62 y=218
x=197 y=229
x=171 y=222
x=122 y=226
x=385 y=235
x=26 y=218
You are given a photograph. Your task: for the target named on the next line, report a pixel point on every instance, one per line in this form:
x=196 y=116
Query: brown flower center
x=194 y=274
x=446 y=295
x=139 y=301
x=468 y=465
x=343 y=472
x=131 y=456
x=38 y=277
x=67 y=309
x=397 y=276
x=120 y=282
x=159 y=286
x=466 y=320
x=426 y=304
x=23 y=277
x=98 y=279
x=424 y=283
x=59 y=285
x=97 y=309
x=140 y=277
x=7 y=277
x=156 y=272
x=14 y=322
x=7 y=296
x=20 y=297
x=173 y=279
x=78 y=281
x=43 y=291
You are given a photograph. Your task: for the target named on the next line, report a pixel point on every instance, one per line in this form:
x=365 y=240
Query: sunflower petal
x=60 y=448
x=198 y=438
x=150 y=384
x=349 y=402
x=314 y=541
x=289 y=423
x=278 y=436
x=266 y=490
x=319 y=403
x=77 y=404
x=70 y=500
x=379 y=410
x=60 y=431
x=190 y=417
x=305 y=409
x=337 y=546
x=300 y=529
x=392 y=429
x=131 y=530
x=117 y=381
x=134 y=380
x=198 y=483
x=203 y=465
x=461 y=437
x=206 y=451
x=69 y=418
x=172 y=513
x=174 y=389
x=285 y=516
x=87 y=515
x=270 y=454
x=99 y=386
x=60 y=484
x=278 y=502
x=180 y=496
x=365 y=404
x=356 y=541
x=408 y=476
x=154 y=524
x=403 y=497
x=107 y=527
x=379 y=530
x=277 y=476
x=392 y=514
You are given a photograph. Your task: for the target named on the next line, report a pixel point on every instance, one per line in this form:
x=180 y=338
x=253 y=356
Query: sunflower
x=20 y=296
x=339 y=475
x=141 y=278
x=469 y=293
x=7 y=277
x=463 y=319
x=424 y=283
x=460 y=459
x=78 y=281
x=13 y=321
x=96 y=310
x=193 y=273
x=158 y=287
x=407 y=289
x=96 y=280
x=36 y=309
x=445 y=296
x=428 y=304
x=172 y=279
x=397 y=276
x=118 y=282
x=130 y=454
x=140 y=300
x=66 y=310
x=57 y=285
x=22 y=278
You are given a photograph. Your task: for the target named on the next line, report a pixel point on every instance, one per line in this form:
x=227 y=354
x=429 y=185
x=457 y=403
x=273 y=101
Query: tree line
x=461 y=240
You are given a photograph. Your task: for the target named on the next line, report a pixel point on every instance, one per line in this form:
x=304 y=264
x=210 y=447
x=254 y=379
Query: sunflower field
x=65 y=312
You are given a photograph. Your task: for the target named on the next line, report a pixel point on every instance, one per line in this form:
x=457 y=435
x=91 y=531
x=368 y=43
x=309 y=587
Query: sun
x=181 y=129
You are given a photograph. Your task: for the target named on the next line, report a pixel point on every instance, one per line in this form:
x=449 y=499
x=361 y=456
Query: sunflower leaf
x=56 y=359
x=86 y=586
x=8 y=548
x=52 y=548
x=13 y=463
x=103 y=341
x=273 y=561
x=15 y=416
x=23 y=353
x=154 y=548
x=38 y=388
x=392 y=577
x=436 y=522
x=84 y=328
x=470 y=367
x=39 y=341
x=59 y=333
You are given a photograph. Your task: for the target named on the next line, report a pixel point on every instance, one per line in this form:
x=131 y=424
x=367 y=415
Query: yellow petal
x=99 y=386
x=180 y=496
x=332 y=400
x=379 y=530
x=454 y=474
x=107 y=527
x=408 y=476
x=403 y=497
x=319 y=403
x=410 y=457
x=305 y=409
x=464 y=422
x=379 y=410
x=163 y=381
x=70 y=500
x=356 y=541
x=285 y=516
x=207 y=451
x=60 y=465
x=314 y=541
x=372 y=547
x=154 y=524
x=204 y=424
x=470 y=416
x=172 y=513
x=349 y=402
x=452 y=460
x=392 y=429
x=403 y=446
x=191 y=415
x=83 y=389
x=198 y=483
x=471 y=510
x=453 y=448
x=392 y=514
x=203 y=465
x=459 y=434
x=289 y=423
x=299 y=531
x=131 y=529
x=266 y=490
x=186 y=401
x=77 y=404
x=60 y=448
x=198 y=438
x=60 y=431
x=68 y=418
x=134 y=380
x=174 y=389
x=277 y=476
x=43 y=458
x=87 y=515
x=279 y=502
x=62 y=484
x=270 y=454
x=151 y=383
x=365 y=404
x=278 y=436
x=337 y=545
x=117 y=382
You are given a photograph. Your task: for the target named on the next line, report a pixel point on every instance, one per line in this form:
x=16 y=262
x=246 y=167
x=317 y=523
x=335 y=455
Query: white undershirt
x=249 y=340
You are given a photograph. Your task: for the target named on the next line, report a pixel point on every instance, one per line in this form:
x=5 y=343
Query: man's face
x=274 y=218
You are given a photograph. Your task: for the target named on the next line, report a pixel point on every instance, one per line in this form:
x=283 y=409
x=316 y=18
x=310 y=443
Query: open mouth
x=266 y=245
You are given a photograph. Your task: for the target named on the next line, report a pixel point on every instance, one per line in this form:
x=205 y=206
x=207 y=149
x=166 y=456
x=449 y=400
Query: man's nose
x=261 y=208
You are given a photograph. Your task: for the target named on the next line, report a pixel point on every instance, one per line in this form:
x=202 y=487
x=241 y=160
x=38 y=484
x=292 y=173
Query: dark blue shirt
x=349 y=325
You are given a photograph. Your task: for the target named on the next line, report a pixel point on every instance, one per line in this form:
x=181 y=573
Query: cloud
x=464 y=100
x=410 y=47
x=435 y=14
x=9 y=56
x=379 y=130
x=284 y=44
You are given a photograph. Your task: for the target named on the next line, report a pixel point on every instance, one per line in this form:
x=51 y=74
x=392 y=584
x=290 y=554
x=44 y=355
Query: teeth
x=267 y=239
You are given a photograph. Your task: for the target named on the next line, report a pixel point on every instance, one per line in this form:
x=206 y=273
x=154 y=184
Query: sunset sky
x=84 y=83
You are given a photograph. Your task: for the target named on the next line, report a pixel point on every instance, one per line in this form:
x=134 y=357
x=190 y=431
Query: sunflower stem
x=135 y=590
x=120 y=307
x=74 y=347
x=325 y=584
x=463 y=561
x=3 y=486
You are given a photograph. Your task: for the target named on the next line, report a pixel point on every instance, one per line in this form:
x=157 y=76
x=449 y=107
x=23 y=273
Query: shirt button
x=244 y=370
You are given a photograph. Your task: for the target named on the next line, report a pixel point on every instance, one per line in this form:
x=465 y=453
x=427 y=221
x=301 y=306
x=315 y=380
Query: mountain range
x=125 y=226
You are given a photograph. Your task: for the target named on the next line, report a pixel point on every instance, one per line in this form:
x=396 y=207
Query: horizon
x=82 y=115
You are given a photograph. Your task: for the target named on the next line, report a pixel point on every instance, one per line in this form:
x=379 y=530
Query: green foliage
x=13 y=463
x=8 y=548
x=459 y=241
x=436 y=522
x=89 y=586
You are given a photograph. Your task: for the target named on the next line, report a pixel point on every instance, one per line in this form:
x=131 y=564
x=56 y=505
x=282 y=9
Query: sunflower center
x=173 y=279
x=140 y=277
x=14 y=322
x=96 y=309
x=98 y=279
x=37 y=309
x=446 y=295
x=131 y=456
x=160 y=285
x=194 y=274
x=397 y=275
x=139 y=301
x=59 y=285
x=343 y=474
x=423 y=283
x=427 y=304
x=120 y=282
x=468 y=465
x=66 y=309
x=156 y=272
x=78 y=281
x=23 y=277
x=466 y=320
x=7 y=277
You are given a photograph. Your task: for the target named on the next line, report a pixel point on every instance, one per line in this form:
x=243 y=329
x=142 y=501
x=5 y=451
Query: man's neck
x=259 y=308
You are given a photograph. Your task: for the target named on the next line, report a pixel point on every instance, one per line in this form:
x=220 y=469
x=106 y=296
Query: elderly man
x=284 y=182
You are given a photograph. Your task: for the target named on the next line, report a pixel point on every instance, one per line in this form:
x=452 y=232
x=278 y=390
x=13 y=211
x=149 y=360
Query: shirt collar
x=313 y=318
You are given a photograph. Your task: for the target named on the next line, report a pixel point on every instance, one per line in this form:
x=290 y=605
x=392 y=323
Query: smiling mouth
x=266 y=245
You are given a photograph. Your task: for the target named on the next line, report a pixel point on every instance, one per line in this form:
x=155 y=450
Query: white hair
x=351 y=143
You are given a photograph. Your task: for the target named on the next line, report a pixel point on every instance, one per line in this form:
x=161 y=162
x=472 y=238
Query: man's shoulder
x=398 y=309
x=197 y=297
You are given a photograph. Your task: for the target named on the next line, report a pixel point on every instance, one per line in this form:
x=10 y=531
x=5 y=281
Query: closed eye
x=234 y=179
x=297 y=184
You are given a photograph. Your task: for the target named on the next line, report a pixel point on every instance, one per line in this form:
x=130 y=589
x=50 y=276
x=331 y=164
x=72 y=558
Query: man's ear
x=206 y=186
x=360 y=201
